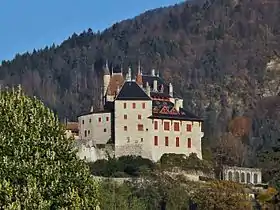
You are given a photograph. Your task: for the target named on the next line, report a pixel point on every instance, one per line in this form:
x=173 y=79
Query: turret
x=106 y=78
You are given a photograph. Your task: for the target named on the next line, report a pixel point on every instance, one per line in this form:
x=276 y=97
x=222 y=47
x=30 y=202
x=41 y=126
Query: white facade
x=132 y=128
x=172 y=141
x=95 y=127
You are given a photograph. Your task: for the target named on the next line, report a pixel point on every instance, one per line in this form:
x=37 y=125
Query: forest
x=218 y=53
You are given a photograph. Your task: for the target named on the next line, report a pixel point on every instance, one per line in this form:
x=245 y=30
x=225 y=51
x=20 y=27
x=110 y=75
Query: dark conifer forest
x=214 y=51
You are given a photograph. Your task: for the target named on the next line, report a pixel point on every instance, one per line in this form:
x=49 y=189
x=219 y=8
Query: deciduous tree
x=38 y=164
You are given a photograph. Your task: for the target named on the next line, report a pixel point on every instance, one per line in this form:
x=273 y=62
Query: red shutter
x=139 y=117
x=156 y=125
x=107 y=118
x=177 y=142
x=166 y=126
x=140 y=127
x=176 y=126
x=125 y=117
x=189 y=127
x=143 y=105
x=156 y=141
x=166 y=140
x=134 y=105
x=99 y=119
x=189 y=142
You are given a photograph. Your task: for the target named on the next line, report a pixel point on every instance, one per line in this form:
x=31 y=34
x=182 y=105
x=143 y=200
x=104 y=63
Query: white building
x=141 y=117
x=242 y=175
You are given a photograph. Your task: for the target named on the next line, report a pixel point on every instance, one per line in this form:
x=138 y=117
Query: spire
x=139 y=79
x=128 y=75
x=106 y=68
x=121 y=69
x=139 y=68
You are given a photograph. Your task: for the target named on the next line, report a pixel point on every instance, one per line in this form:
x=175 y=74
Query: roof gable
x=132 y=91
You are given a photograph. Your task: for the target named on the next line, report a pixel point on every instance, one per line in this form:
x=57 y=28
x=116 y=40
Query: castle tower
x=106 y=78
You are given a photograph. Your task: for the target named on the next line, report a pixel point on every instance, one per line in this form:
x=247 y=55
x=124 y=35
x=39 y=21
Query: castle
x=139 y=116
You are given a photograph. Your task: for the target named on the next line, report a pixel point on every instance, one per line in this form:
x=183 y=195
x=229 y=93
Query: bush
x=191 y=162
x=128 y=166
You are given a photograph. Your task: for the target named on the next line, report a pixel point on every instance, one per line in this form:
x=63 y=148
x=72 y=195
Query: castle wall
x=96 y=127
x=91 y=153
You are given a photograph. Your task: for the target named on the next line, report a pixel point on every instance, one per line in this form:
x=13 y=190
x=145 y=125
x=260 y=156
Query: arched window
x=255 y=178
x=243 y=177
x=248 y=177
x=230 y=176
x=236 y=176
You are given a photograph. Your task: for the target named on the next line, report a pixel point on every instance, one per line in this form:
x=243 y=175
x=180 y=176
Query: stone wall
x=90 y=153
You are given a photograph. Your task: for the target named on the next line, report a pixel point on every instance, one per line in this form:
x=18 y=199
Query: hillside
x=215 y=51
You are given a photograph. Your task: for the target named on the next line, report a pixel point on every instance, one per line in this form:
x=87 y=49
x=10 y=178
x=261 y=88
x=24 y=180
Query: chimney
x=118 y=89
x=170 y=89
x=177 y=105
x=148 y=89
x=161 y=88
x=153 y=72
x=155 y=86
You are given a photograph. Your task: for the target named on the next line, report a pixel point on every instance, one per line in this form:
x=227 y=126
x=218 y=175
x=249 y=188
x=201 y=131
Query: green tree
x=219 y=195
x=119 y=196
x=38 y=164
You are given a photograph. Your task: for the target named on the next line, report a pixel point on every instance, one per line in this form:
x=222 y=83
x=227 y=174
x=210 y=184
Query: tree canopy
x=38 y=164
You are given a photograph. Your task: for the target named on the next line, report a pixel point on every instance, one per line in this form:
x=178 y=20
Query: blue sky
x=29 y=24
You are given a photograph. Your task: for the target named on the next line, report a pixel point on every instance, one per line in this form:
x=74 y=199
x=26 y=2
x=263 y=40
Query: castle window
x=89 y=120
x=143 y=105
x=156 y=140
x=128 y=139
x=88 y=132
x=133 y=105
x=105 y=130
x=85 y=133
x=176 y=126
x=99 y=119
x=189 y=127
x=125 y=128
x=156 y=125
x=166 y=140
x=139 y=117
x=140 y=127
x=189 y=142
x=125 y=117
x=177 y=142
x=142 y=139
x=124 y=105
x=107 y=119
x=166 y=126
x=83 y=122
